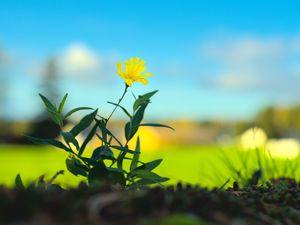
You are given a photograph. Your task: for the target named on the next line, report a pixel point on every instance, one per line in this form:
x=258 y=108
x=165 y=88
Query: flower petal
x=147 y=74
x=119 y=67
x=142 y=80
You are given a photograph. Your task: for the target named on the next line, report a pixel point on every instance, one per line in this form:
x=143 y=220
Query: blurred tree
x=295 y=119
x=280 y=122
x=44 y=127
x=50 y=77
x=267 y=119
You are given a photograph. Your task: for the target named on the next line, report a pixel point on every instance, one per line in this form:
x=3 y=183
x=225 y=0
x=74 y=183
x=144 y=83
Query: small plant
x=104 y=165
x=40 y=184
x=258 y=166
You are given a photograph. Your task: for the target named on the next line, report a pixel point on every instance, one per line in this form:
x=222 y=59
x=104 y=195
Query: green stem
x=120 y=100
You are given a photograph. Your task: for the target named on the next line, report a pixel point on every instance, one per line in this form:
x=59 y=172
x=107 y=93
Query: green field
x=199 y=164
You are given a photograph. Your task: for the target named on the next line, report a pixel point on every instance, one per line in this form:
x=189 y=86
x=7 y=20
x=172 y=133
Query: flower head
x=133 y=71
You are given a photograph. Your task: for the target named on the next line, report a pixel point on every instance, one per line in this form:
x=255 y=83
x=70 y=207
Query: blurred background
x=221 y=68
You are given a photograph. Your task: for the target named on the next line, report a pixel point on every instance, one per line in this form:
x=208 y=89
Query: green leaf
x=124 y=110
x=48 y=142
x=56 y=118
x=148 y=175
x=89 y=161
x=103 y=152
x=128 y=131
x=88 y=139
x=54 y=114
x=136 y=155
x=19 y=183
x=47 y=103
x=62 y=103
x=116 y=176
x=76 y=167
x=84 y=123
x=102 y=127
x=98 y=174
x=156 y=125
x=69 y=138
x=138 y=116
x=132 y=127
x=143 y=99
x=120 y=160
x=122 y=149
x=150 y=165
x=76 y=110
x=144 y=182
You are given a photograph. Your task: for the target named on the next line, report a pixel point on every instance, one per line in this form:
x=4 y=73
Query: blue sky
x=211 y=59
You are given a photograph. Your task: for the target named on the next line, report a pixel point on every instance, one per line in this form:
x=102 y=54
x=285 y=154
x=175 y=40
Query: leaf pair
x=76 y=167
x=145 y=175
x=139 y=108
x=56 y=112
x=70 y=137
x=101 y=174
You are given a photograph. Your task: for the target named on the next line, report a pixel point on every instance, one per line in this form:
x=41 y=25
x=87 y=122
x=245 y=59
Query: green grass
x=199 y=164
x=180 y=163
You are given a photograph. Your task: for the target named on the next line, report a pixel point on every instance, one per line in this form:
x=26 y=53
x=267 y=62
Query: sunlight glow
x=253 y=138
x=150 y=139
x=287 y=148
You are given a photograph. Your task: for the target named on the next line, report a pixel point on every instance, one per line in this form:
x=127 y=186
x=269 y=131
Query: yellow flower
x=133 y=72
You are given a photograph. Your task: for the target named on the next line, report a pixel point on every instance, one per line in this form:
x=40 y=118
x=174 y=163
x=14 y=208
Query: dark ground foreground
x=272 y=204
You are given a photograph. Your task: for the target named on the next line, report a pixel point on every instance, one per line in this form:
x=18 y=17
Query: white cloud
x=78 y=59
x=232 y=80
x=244 y=50
x=76 y=64
x=251 y=62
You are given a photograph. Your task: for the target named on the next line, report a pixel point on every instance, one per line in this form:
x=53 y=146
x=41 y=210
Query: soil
x=274 y=203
